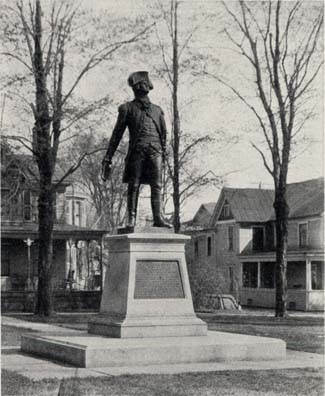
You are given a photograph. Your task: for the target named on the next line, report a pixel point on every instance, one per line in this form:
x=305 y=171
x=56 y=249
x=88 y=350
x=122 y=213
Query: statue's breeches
x=144 y=166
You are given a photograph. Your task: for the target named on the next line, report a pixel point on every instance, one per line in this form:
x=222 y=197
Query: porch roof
x=291 y=253
x=60 y=231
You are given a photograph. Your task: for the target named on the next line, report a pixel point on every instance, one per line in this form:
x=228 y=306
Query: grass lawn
x=236 y=383
x=299 y=336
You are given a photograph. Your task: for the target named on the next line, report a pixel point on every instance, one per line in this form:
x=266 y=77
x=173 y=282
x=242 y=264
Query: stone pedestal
x=147 y=316
x=146 y=291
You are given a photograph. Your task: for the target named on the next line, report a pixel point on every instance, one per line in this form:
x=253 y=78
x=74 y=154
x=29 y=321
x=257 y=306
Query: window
x=13 y=172
x=27 y=202
x=67 y=212
x=5 y=205
x=258 y=238
x=296 y=274
x=196 y=248
x=267 y=275
x=5 y=259
x=15 y=208
x=225 y=212
x=231 y=279
x=78 y=214
x=250 y=275
x=209 y=246
x=10 y=206
x=303 y=234
x=231 y=238
x=316 y=275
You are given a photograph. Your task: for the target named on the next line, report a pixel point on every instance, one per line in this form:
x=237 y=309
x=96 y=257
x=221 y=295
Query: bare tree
x=181 y=175
x=108 y=199
x=46 y=62
x=282 y=52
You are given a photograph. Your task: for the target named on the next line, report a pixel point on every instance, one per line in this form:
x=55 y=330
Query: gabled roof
x=202 y=217
x=210 y=206
x=306 y=198
x=246 y=204
x=29 y=168
x=256 y=205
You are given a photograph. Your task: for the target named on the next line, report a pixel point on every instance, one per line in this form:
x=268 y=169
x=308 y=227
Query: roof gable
x=203 y=215
x=29 y=169
x=256 y=205
x=246 y=204
x=225 y=212
x=306 y=198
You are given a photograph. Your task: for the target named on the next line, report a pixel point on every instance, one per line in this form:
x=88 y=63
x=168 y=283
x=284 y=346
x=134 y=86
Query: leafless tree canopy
x=280 y=42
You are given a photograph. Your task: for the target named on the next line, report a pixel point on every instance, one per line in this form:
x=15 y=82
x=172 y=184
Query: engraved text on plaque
x=158 y=279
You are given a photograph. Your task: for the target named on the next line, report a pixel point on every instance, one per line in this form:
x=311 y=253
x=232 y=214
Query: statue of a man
x=147 y=147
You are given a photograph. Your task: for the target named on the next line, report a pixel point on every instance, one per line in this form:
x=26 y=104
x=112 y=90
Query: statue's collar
x=143 y=103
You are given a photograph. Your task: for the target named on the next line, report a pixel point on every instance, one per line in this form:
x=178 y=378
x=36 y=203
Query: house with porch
x=77 y=260
x=238 y=247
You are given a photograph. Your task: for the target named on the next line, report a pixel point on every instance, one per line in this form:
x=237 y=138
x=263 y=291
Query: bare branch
x=190 y=36
x=74 y=167
x=239 y=45
x=165 y=16
x=303 y=122
x=191 y=146
x=22 y=140
x=264 y=159
x=167 y=68
x=86 y=111
x=18 y=59
x=252 y=108
x=27 y=32
x=102 y=55
x=241 y=27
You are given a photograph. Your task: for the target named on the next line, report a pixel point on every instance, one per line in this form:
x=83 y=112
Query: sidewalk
x=38 y=368
x=263 y=316
x=41 y=327
x=268 y=312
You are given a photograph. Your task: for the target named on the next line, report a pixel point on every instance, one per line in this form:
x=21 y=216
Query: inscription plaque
x=158 y=279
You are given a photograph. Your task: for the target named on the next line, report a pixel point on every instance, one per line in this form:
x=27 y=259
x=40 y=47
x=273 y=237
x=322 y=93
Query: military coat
x=130 y=116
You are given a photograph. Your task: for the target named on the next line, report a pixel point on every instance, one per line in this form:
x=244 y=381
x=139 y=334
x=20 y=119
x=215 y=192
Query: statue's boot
x=158 y=221
x=132 y=204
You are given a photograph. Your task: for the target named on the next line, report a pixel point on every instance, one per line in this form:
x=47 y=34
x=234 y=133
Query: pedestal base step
x=142 y=327
x=95 y=351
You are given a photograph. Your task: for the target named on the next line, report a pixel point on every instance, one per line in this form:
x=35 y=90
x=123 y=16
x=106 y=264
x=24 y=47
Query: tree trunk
x=281 y=213
x=176 y=194
x=44 y=305
x=45 y=160
x=176 y=125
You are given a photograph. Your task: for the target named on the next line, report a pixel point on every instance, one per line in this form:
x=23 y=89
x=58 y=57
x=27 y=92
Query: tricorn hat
x=139 y=76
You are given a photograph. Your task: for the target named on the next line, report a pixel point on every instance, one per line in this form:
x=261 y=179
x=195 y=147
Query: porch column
x=101 y=263
x=29 y=283
x=70 y=277
x=240 y=276
x=258 y=275
x=308 y=274
x=88 y=259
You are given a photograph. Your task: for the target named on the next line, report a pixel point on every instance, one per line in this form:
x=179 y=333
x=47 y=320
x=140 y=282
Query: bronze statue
x=147 y=148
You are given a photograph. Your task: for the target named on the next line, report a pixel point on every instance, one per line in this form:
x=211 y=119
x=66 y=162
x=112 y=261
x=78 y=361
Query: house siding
x=316 y=233
x=254 y=208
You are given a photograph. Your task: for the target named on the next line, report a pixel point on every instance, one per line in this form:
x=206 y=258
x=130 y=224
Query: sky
x=214 y=108
x=240 y=163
